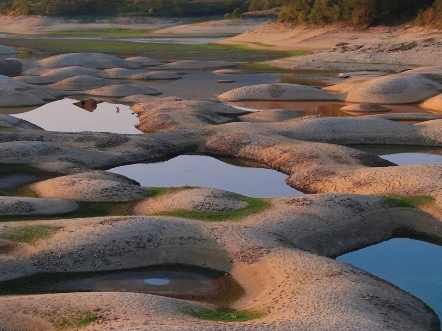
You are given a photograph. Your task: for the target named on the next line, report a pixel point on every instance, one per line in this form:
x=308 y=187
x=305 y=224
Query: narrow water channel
x=206 y=171
x=412 y=265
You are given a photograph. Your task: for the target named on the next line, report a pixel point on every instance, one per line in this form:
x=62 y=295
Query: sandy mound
x=92 y=186
x=281 y=257
x=156 y=75
x=352 y=130
x=365 y=108
x=169 y=114
x=49 y=76
x=408 y=116
x=272 y=115
x=308 y=160
x=347 y=84
x=10 y=67
x=7 y=50
x=33 y=206
x=122 y=73
x=279 y=92
x=36 y=79
x=362 y=74
x=227 y=71
x=400 y=180
x=92 y=60
x=17 y=99
x=434 y=103
x=197 y=199
x=137 y=98
x=407 y=87
x=35 y=71
x=141 y=61
x=36 y=152
x=122 y=90
x=81 y=83
x=17 y=122
x=192 y=64
x=15 y=94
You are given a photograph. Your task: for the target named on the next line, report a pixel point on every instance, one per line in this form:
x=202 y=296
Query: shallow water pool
x=412 y=265
x=178 y=281
x=63 y=115
x=206 y=171
x=413 y=158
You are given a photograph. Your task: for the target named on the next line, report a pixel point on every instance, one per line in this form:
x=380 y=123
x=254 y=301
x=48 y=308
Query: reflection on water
x=413 y=158
x=206 y=171
x=412 y=265
x=322 y=108
x=90 y=104
x=63 y=115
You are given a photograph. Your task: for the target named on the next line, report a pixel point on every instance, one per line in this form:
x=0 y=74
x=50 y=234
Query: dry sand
x=30 y=25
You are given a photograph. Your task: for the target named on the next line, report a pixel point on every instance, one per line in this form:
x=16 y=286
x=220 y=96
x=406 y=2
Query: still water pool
x=206 y=171
x=413 y=158
x=63 y=115
x=412 y=265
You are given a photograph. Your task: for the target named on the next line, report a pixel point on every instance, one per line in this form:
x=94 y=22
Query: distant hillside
x=362 y=12
x=316 y=12
x=112 y=7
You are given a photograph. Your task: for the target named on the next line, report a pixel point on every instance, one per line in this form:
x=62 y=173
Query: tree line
x=361 y=12
x=113 y=7
x=316 y=12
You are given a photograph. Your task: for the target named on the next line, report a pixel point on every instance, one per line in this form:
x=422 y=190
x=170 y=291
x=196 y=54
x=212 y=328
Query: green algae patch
x=255 y=206
x=165 y=52
x=396 y=201
x=5 y=128
x=223 y=315
x=86 y=209
x=74 y=321
x=154 y=192
x=29 y=234
x=104 y=33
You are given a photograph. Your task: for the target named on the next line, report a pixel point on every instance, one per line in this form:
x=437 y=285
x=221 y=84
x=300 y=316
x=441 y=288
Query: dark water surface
x=206 y=171
x=412 y=265
x=178 y=281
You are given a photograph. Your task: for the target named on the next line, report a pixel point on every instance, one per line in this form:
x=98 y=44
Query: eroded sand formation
x=282 y=253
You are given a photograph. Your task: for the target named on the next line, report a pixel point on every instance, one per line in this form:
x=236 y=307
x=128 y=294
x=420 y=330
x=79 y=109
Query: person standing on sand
x=118 y=110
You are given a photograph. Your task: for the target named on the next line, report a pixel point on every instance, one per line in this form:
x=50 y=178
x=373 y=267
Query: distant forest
x=362 y=12
x=316 y=12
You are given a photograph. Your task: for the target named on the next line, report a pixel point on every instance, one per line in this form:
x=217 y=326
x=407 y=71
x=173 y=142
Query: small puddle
x=64 y=115
x=178 y=281
x=404 y=155
x=157 y=281
x=413 y=158
x=206 y=171
x=412 y=265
